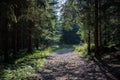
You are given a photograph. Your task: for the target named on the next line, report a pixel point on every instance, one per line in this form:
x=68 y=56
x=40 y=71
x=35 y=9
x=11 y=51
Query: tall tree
x=96 y=28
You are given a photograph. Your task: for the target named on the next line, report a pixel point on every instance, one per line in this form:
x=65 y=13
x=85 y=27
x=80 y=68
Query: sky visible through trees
x=59 y=6
x=75 y=31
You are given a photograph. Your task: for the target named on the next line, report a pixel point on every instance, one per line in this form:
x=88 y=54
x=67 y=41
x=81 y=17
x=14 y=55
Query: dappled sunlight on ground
x=66 y=65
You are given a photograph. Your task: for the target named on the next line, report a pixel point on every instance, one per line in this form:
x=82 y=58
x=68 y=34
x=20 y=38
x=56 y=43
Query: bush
x=24 y=67
x=81 y=49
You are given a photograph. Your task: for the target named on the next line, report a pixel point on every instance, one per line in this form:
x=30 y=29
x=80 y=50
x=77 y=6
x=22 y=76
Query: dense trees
x=28 y=24
x=70 y=36
x=24 y=24
x=98 y=20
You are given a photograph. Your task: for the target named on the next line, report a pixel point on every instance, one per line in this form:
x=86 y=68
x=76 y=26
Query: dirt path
x=66 y=65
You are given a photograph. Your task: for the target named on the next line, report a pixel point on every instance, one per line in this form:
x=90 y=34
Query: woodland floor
x=64 y=64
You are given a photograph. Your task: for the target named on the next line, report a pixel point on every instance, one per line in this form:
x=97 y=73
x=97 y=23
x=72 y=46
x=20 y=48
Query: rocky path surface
x=64 y=64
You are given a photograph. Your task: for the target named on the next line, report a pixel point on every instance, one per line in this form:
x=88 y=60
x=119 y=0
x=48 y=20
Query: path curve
x=64 y=64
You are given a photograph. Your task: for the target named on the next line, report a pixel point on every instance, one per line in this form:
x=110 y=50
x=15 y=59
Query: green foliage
x=25 y=24
x=18 y=74
x=81 y=49
x=70 y=36
x=26 y=66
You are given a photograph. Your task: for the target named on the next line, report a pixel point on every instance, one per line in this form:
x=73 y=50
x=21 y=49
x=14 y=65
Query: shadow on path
x=66 y=65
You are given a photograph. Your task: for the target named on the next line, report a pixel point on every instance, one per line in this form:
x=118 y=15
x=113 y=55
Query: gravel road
x=64 y=64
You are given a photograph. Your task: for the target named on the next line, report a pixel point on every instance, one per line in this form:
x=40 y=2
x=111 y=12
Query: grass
x=24 y=67
x=27 y=64
x=81 y=49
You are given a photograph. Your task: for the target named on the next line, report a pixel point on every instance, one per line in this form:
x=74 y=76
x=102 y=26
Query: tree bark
x=37 y=43
x=30 y=36
x=96 y=29
x=89 y=41
x=89 y=26
x=6 y=42
x=100 y=26
x=30 y=42
x=14 y=41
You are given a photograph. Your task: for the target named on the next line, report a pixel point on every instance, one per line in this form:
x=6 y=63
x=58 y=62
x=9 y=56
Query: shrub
x=81 y=49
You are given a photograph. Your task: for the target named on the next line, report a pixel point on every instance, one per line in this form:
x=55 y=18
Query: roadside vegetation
x=25 y=65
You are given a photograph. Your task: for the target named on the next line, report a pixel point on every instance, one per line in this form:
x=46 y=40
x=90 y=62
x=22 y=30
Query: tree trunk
x=37 y=43
x=96 y=29
x=30 y=36
x=100 y=26
x=30 y=42
x=89 y=25
x=105 y=29
x=14 y=40
x=89 y=41
x=100 y=35
x=6 y=43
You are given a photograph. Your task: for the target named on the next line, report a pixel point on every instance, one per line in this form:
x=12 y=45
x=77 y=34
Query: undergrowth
x=81 y=49
x=24 y=67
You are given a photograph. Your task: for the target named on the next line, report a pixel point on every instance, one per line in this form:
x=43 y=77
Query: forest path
x=64 y=64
